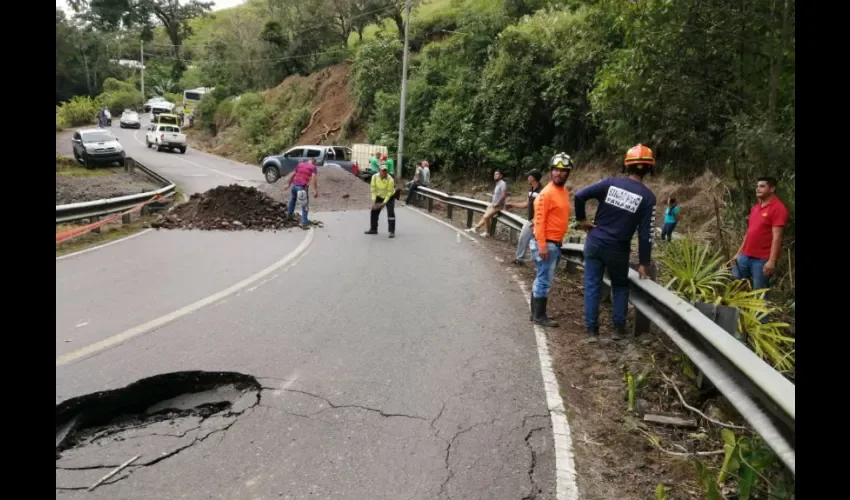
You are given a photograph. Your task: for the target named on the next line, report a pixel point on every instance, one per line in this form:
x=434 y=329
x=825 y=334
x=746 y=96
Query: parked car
x=97 y=146
x=152 y=101
x=129 y=119
x=164 y=136
x=277 y=166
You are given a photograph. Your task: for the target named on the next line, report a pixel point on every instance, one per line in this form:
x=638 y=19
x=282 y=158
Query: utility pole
x=400 y=164
x=142 y=54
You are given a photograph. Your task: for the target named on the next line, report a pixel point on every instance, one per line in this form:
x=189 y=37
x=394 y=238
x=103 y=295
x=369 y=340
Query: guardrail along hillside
x=764 y=397
x=99 y=208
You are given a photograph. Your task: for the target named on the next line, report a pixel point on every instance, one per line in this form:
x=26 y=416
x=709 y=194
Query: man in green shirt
x=390 y=165
x=374 y=164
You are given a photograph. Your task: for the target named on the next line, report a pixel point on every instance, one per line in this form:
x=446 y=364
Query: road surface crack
x=334 y=406
x=535 y=489
x=449 y=445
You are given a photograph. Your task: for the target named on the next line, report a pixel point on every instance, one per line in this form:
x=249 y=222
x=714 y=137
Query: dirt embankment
x=331 y=108
x=76 y=184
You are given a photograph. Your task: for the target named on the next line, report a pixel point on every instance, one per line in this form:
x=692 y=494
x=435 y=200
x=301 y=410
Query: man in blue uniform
x=625 y=205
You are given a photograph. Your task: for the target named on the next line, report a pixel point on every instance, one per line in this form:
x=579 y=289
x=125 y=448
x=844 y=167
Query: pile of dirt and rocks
x=338 y=191
x=231 y=208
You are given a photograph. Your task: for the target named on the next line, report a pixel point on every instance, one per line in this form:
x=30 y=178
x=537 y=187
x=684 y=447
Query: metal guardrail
x=98 y=208
x=764 y=397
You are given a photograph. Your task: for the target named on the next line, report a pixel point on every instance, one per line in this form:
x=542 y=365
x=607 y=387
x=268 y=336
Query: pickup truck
x=164 y=136
x=277 y=166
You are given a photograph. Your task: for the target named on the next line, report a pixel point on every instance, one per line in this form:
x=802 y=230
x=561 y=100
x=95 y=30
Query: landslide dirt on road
x=338 y=191
x=229 y=208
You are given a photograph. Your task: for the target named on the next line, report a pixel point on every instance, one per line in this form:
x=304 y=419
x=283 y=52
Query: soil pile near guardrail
x=229 y=208
x=338 y=191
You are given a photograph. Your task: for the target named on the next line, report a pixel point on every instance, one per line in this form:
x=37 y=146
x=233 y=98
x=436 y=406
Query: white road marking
x=183 y=311
x=69 y=255
x=566 y=485
x=272 y=277
x=84 y=323
x=459 y=231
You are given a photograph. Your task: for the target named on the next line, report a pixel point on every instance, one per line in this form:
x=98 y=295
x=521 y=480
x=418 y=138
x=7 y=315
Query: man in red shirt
x=756 y=259
x=304 y=177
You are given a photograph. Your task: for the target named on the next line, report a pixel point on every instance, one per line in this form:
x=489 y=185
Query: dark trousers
x=667 y=231
x=597 y=260
x=390 y=214
x=411 y=190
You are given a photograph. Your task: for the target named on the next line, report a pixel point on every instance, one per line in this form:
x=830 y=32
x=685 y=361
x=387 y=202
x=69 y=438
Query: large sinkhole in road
x=150 y=420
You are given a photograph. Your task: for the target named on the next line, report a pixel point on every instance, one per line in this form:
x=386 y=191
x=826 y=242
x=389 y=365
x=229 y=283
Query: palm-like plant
x=767 y=339
x=694 y=271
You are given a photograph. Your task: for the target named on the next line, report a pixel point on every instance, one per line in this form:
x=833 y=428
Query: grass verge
x=109 y=232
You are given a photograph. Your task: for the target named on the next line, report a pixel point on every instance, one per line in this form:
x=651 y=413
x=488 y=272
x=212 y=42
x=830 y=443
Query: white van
x=360 y=154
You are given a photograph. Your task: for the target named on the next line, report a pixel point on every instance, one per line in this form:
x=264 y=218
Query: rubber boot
x=540 y=313
x=592 y=335
x=531 y=318
x=619 y=332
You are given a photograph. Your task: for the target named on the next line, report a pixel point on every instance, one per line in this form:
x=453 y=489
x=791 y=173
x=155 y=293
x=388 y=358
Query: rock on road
x=391 y=369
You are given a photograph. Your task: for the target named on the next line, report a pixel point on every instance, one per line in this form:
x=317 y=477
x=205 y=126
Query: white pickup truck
x=163 y=136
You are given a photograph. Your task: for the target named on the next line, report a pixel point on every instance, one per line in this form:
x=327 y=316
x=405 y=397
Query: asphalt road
x=391 y=369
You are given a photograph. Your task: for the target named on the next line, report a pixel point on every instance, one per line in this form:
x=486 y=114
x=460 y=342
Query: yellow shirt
x=384 y=188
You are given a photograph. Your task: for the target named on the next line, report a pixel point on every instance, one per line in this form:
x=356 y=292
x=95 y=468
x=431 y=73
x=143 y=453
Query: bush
x=118 y=101
x=225 y=115
x=80 y=110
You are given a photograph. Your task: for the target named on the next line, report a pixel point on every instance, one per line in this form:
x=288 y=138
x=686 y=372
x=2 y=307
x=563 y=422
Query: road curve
x=392 y=369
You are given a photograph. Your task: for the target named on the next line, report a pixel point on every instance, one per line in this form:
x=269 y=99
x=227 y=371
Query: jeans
x=390 y=215
x=545 y=268
x=411 y=190
x=293 y=197
x=597 y=260
x=524 y=239
x=667 y=231
x=751 y=268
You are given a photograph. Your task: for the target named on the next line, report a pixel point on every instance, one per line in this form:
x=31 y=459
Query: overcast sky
x=217 y=4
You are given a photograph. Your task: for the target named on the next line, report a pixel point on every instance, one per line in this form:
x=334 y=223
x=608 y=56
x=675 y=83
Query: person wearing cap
x=525 y=235
x=389 y=163
x=551 y=218
x=626 y=205
x=500 y=193
x=383 y=195
x=422 y=177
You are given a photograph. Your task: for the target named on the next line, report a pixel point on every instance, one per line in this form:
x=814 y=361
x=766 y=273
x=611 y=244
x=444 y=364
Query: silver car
x=130 y=119
x=97 y=146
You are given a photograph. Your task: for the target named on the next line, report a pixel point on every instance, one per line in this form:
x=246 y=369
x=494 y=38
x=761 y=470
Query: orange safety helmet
x=640 y=158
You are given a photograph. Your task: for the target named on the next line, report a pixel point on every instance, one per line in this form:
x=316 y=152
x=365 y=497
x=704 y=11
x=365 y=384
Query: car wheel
x=147 y=143
x=271 y=174
x=122 y=163
x=182 y=151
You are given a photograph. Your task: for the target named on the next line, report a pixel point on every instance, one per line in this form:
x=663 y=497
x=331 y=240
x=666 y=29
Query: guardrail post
x=93 y=220
x=492 y=229
x=449 y=210
x=129 y=165
x=430 y=204
x=572 y=267
x=468 y=218
x=725 y=317
x=642 y=323
x=125 y=219
x=514 y=237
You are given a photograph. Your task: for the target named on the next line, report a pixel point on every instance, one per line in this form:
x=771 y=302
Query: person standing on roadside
x=383 y=195
x=527 y=232
x=626 y=205
x=551 y=218
x=390 y=165
x=422 y=177
x=305 y=174
x=671 y=218
x=500 y=192
x=756 y=259
x=374 y=164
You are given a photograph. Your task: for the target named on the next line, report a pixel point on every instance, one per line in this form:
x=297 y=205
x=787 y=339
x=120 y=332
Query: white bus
x=192 y=97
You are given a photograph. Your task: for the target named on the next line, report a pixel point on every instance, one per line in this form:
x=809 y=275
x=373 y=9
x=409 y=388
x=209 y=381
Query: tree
x=172 y=15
